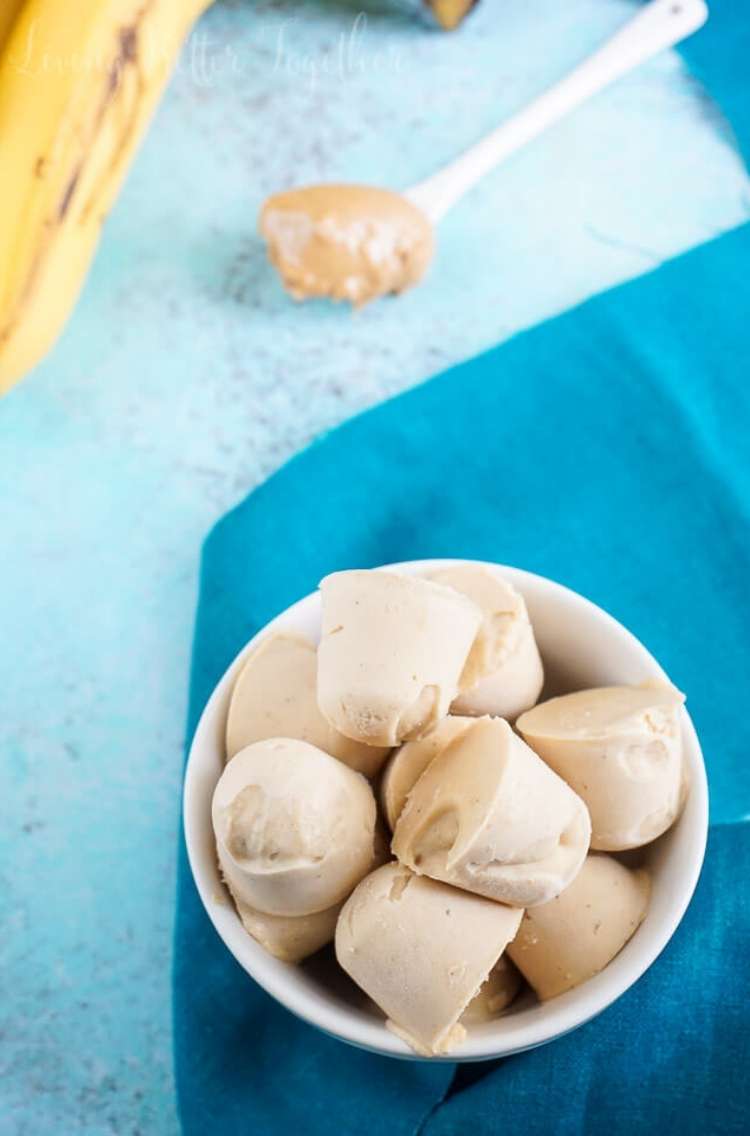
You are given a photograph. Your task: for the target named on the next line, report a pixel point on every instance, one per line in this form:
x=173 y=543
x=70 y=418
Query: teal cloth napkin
x=609 y=450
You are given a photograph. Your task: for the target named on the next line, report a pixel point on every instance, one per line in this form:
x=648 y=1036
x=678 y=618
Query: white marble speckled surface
x=186 y=377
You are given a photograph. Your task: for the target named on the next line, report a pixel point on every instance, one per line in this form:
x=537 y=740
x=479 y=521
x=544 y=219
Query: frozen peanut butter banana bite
x=620 y=749
x=503 y=674
x=294 y=827
x=391 y=653
x=293 y=938
x=346 y=242
x=421 y=950
x=489 y=816
x=410 y=760
x=275 y=696
x=495 y=995
x=290 y=938
x=567 y=941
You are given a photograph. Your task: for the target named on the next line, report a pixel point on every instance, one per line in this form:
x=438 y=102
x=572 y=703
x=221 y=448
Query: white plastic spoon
x=357 y=242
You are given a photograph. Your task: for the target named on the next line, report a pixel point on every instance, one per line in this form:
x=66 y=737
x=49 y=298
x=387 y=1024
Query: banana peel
x=76 y=95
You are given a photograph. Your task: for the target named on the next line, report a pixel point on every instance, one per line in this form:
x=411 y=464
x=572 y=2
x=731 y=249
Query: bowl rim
x=562 y=1014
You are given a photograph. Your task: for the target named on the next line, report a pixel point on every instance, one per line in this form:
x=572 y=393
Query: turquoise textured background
x=186 y=376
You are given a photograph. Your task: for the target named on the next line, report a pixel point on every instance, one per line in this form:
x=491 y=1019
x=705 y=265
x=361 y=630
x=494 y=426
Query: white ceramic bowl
x=581 y=646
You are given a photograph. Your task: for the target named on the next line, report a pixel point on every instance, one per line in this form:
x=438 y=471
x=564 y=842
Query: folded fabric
x=672 y=1055
x=609 y=450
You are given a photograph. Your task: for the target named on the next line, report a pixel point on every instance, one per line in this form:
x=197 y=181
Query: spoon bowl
x=346 y=242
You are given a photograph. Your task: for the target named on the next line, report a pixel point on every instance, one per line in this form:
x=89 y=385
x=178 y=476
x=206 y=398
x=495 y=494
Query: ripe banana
x=77 y=89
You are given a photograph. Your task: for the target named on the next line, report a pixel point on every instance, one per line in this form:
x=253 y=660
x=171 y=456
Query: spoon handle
x=658 y=25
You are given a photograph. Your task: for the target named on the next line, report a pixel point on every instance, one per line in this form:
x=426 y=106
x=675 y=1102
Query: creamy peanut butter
x=489 y=816
x=294 y=827
x=409 y=762
x=290 y=938
x=275 y=696
x=503 y=675
x=495 y=995
x=567 y=941
x=421 y=950
x=620 y=749
x=293 y=938
x=346 y=242
x=391 y=653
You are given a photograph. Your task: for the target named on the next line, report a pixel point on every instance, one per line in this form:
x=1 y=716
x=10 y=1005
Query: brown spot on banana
x=67 y=196
x=128 y=53
x=129 y=44
x=127 y=58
